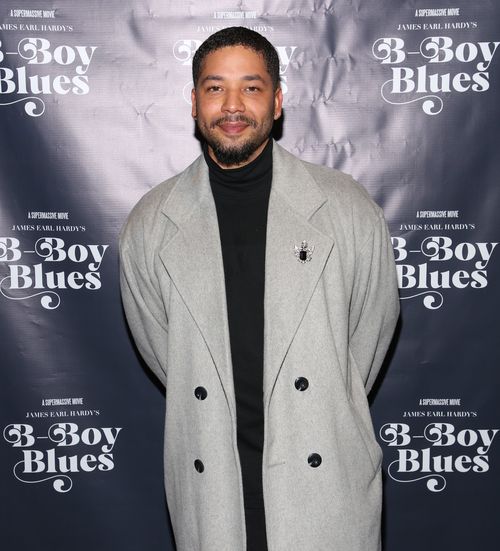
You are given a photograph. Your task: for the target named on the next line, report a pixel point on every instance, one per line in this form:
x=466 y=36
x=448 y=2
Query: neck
x=252 y=178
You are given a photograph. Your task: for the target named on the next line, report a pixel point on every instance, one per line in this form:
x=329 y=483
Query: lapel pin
x=304 y=252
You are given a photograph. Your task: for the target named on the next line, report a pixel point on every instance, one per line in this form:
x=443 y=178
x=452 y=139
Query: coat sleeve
x=374 y=304
x=144 y=308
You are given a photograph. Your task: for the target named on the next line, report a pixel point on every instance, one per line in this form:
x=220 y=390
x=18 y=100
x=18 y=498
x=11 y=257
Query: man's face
x=235 y=105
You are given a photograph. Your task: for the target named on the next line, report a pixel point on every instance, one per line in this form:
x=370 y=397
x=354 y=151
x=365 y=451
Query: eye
x=253 y=88
x=214 y=88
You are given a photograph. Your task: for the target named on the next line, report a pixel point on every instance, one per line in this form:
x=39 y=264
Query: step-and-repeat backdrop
x=94 y=111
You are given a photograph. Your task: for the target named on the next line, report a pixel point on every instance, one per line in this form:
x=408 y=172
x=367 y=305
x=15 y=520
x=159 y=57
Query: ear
x=278 y=103
x=193 y=103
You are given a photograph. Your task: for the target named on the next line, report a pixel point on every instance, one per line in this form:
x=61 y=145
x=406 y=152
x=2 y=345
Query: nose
x=233 y=102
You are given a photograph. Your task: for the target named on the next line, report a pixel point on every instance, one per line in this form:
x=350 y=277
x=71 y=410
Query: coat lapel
x=295 y=199
x=193 y=260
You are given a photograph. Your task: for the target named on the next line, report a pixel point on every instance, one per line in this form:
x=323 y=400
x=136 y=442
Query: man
x=261 y=290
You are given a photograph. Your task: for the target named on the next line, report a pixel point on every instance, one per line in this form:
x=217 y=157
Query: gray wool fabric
x=328 y=320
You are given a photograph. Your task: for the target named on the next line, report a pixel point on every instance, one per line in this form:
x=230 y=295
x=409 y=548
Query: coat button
x=198 y=465
x=301 y=383
x=200 y=392
x=314 y=460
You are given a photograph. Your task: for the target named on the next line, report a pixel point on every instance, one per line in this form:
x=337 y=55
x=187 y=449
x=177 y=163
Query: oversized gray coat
x=328 y=320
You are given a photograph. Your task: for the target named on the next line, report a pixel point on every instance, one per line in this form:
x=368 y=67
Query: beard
x=235 y=154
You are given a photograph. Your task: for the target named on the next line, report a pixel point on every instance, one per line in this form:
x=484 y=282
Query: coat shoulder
x=149 y=205
x=145 y=218
x=344 y=193
x=353 y=215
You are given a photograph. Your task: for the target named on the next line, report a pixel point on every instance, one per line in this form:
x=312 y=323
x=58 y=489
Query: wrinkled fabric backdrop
x=94 y=111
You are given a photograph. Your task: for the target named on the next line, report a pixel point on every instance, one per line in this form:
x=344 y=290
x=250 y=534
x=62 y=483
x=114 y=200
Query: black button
x=314 y=460
x=301 y=383
x=303 y=255
x=200 y=392
x=198 y=465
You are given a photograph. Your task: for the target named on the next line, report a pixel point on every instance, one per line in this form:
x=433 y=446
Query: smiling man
x=235 y=102
x=261 y=290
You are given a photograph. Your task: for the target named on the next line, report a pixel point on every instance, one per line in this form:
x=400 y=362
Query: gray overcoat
x=328 y=320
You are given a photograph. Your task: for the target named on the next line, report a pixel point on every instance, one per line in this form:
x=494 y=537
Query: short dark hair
x=239 y=36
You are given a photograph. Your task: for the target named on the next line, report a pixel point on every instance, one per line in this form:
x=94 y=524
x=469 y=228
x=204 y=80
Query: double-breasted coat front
x=328 y=321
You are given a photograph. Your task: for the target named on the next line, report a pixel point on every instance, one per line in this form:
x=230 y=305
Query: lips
x=233 y=127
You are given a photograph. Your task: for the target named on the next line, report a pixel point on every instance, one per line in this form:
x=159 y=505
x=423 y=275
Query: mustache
x=232 y=119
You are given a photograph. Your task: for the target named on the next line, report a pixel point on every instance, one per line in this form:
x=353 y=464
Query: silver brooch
x=304 y=252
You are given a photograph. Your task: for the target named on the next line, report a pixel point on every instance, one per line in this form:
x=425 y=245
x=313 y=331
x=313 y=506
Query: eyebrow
x=220 y=78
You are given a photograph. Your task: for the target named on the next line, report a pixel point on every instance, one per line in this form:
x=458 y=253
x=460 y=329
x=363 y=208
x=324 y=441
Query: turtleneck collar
x=252 y=178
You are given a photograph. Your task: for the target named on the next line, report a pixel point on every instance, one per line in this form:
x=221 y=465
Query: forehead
x=234 y=62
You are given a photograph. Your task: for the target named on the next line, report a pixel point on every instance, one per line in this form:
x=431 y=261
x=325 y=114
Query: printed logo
x=34 y=53
x=56 y=463
x=430 y=76
x=41 y=276
x=437 y=253
x=445 y=450
x=64 y=448
x=431 y=273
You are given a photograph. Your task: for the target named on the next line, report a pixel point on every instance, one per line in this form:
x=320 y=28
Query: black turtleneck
x=241 y=198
